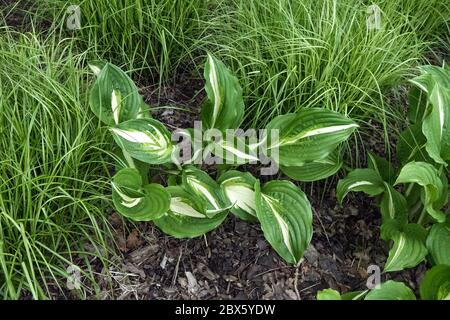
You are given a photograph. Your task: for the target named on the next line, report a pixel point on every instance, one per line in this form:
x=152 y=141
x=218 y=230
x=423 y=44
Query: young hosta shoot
x=135 y=201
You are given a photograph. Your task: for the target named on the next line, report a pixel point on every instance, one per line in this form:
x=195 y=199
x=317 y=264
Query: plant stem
x=422 y=216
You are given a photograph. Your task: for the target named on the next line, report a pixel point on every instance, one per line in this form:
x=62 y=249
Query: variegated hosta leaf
x=438 y=243
x=436 y=283
x=391 y=290
x=144 y=139
x=435 y=81
x=365 y=180
x=186 y=217
x=137 y=202
x=409 y=245
x=309 y=135
x=393 y=205
x=315 y=170
x=96 y=66
x=239 y=188
x=425 y=175
x=286 y=218
x=114 y=97
x=200 y=184
x=382 y=166
x=224 y=108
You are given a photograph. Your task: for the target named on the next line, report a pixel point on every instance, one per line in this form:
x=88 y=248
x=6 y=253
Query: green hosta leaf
x=200 y=184
x=114 y=97
x=144 y=139
x=315 y=170
x=224 y=108
x=309 y=135
x=239 y=188
x=436 y=283
x=382 y=166
x=425 y=175
x=411 y=145
x=186 y=217
x=438 y=243
x=137 y=202
x=328 y=294
x=391 y=290
x=435 y=81
x=444 y=196
x=97 y=66
x=436 y=125
x=286 y=218
x=365 y=180
x=417 y=102
x=393 y=205
x=409 y=245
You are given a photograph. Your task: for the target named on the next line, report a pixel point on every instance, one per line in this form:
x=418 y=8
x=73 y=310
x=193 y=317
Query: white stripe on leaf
x=178 y=206
x=359 y=183
x=200 y=188
x=115 y=105
x=215 y=86
x=127 y=201
x=282 y=224
x=241 y=196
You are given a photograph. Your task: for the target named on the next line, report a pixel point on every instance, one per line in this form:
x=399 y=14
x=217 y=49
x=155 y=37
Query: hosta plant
x=414 y=199
x=187 y=201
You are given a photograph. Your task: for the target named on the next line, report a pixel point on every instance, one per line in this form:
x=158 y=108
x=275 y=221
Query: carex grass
x=51 y=213
x=150 y=36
